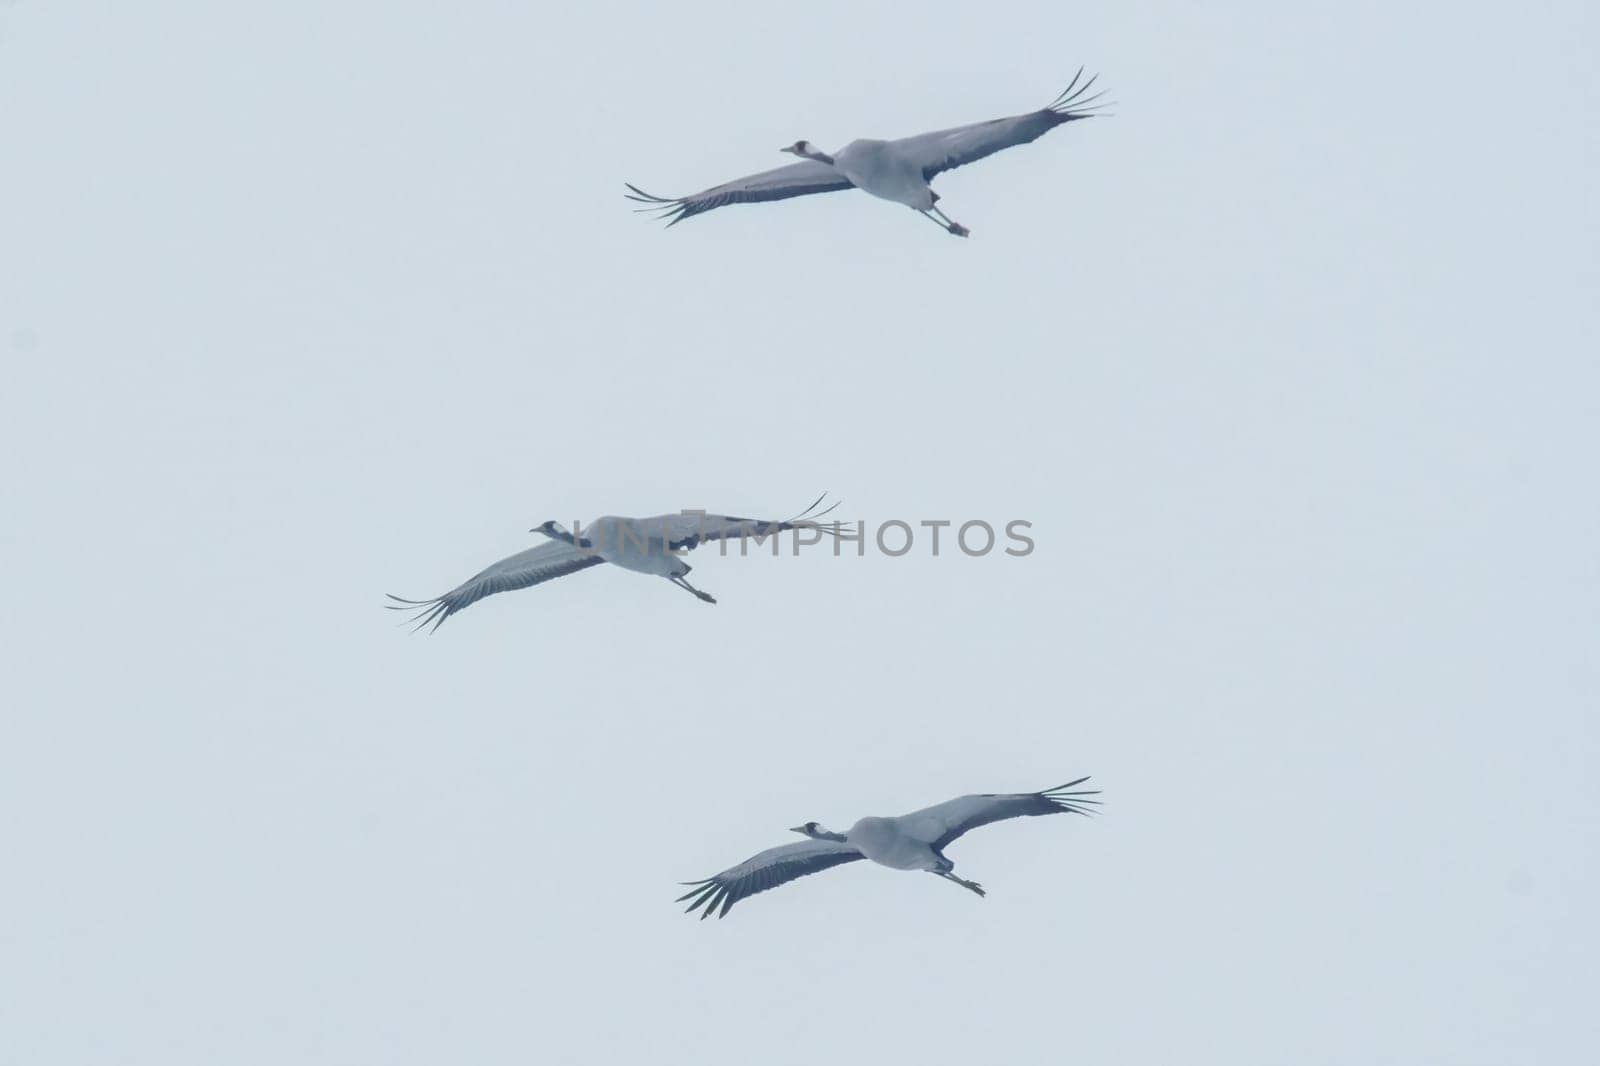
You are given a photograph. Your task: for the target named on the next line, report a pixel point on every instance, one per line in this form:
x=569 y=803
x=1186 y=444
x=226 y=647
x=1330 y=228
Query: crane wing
x=944 y=150
x=797 y=179
x=945 y=822
x=768 y=869
x=687 y=530
x=538 y=564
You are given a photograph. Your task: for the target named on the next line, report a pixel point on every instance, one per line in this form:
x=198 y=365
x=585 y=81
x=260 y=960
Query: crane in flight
x=898 y=170
x=652 y=545
x=914 y=841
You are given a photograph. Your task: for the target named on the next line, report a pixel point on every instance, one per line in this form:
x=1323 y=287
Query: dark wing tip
x=711 y=896
x=708 y=896
x=697 y=895
x=1073 y=103
x=673 y=208
x=425 y=611
x=1077 y=802
x=810 y=518
x=807 y=514
x=636 y=193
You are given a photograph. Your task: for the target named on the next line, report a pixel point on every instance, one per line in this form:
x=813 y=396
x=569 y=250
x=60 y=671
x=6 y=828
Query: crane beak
x=798 y=829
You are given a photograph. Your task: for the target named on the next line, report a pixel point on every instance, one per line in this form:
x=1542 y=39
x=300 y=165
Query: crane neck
x=820 y=157
x=555 y=532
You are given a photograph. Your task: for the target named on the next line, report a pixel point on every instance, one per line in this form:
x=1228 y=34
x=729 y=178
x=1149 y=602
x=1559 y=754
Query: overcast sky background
x=1291 y=364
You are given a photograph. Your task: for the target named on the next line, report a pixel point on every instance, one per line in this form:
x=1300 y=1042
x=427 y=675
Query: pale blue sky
x=1291 y=364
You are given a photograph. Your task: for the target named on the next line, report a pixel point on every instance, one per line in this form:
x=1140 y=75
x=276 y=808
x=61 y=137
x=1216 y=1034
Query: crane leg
x=682 y=584
x=971 y=886
x=951 y=224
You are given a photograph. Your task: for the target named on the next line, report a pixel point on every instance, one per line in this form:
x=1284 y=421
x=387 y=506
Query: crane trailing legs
x=971 y=886
x=943 y=221
x=677 y=579
x=951 y=224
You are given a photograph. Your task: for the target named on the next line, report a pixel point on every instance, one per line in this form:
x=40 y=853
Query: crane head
x=553 y=530
x=800 y=148
x=817 y=832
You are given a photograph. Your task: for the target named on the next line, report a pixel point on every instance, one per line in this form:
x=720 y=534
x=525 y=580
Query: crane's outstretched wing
x=769 y=869
x=944 y=150
x=797 y=179
x=941 y=824
x=689 y=529
x=537 y=564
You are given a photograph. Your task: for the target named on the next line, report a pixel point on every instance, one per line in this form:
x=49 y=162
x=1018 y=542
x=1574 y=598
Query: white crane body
x=874 y=167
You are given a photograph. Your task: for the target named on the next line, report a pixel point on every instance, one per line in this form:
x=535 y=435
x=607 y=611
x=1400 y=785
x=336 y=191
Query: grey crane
x=914 y=841
x=652 y=545
x=898 y=170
